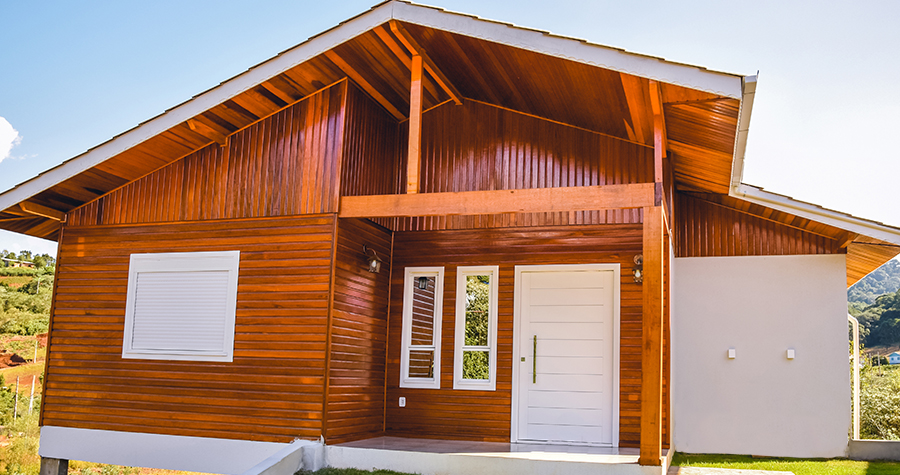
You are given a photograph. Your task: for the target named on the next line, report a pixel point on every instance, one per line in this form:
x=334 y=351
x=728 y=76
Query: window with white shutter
x=181 y=306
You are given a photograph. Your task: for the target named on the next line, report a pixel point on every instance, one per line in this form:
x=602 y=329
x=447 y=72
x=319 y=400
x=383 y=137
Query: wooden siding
x=485 y=415
x=371 y=149
x=273 y=391
x=477 y=146
x=355 y=407
x=283 y=165
x=705 y=228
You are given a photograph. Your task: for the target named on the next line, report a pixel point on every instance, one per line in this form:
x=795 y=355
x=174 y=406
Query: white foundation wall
x=760 y=402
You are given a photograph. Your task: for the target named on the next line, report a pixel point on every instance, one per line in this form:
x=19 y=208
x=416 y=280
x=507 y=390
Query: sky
x=75 y=74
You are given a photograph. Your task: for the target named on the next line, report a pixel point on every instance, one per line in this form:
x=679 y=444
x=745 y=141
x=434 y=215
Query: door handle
x=534 y=363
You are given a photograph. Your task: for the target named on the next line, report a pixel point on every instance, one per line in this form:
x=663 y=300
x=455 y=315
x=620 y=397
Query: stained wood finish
x=704 y=228
x=866 y=254
x=477 y=146
x=283 y=165
x=536 y=200
x=278 y=372
x=652 y=339
x=371 y=148
x=485 y=415
x=355 y=406
x=702 y=154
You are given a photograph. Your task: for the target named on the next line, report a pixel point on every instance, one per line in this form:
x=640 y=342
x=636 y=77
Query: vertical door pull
x=534 y=363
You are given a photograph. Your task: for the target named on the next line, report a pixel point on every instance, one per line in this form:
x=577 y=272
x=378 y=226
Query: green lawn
x=798 y=466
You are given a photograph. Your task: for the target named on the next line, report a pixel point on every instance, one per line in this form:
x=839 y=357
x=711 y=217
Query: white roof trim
x=533 y=40
x=825 y=216
x=743 y=129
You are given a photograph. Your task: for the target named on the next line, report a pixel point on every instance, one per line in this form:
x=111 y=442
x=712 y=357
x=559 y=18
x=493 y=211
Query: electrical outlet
x=402 y=402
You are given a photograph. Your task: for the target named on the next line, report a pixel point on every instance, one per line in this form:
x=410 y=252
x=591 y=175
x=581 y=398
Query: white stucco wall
x=760 y=403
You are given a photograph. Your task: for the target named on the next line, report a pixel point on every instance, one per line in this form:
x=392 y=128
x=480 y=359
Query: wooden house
x=567 y=256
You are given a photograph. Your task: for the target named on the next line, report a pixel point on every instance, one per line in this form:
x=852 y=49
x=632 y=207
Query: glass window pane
x=421 y=364
x=478 y=302
x=423 y=311
x=477 y=365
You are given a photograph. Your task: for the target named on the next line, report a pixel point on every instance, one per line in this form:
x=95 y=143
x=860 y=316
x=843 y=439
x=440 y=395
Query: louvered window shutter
x=181 y=306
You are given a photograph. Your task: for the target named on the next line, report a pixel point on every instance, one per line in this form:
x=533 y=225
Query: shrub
x=879 y=403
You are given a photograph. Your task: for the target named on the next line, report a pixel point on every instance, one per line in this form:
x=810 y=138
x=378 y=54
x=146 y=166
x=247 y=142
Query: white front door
x=567 y=358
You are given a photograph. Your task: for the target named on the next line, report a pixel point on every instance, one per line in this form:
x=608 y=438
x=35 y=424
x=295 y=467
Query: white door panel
x=570 y=398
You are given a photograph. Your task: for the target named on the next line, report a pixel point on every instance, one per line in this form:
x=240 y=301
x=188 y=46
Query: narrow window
x=475 y=355
x=420 y=359
x=181 y=306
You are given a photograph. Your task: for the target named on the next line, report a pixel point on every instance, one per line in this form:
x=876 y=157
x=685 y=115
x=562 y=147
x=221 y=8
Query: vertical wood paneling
x=283 y=165
x=476 y=146
x=485 y=415
x=371 y=165
x=355 y=406
x=273 y=389
x=704 y=229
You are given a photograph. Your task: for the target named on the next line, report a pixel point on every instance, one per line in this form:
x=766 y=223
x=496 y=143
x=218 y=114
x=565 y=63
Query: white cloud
x=9 y=138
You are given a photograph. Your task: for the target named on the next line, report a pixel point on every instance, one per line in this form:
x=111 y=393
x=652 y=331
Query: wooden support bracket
x=363 y=83
x=208 y=132
x=413 y=46
x=43 y=211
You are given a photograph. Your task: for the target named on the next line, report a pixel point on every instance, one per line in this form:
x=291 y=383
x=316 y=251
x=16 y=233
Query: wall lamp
x=638 y=270
x=374 y=262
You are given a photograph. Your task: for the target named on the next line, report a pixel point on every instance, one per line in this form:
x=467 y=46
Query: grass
x=797 y=466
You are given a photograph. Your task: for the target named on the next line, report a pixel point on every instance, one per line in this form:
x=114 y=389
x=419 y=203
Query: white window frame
x=460 y=337
x=183 y=262
x=410 y=275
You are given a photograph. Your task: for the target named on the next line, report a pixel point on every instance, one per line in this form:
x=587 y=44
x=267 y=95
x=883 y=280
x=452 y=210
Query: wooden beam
x=41 y=210
x=413 y=46
x=651 y=341
x=413 y=157
x=359 y=79
x=534 y=200
x=847 y=239
x=656 y=106
x=208 y=132
x=404 y=58
x=637 y=107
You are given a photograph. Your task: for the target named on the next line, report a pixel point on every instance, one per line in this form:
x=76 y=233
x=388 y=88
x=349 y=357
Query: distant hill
x=884 y=280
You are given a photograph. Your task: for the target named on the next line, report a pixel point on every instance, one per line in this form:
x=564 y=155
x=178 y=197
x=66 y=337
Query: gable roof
x=707 y=112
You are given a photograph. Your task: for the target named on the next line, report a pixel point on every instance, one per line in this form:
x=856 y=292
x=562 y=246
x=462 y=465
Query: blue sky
x=74 y=74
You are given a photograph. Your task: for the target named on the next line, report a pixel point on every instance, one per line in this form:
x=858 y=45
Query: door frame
x=517 y=328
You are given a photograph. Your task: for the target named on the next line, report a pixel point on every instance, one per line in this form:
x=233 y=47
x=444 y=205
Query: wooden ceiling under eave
x=701 y=127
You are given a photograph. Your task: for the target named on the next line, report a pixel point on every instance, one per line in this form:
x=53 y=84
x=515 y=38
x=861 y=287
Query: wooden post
x=651 y=354
x=415 y=126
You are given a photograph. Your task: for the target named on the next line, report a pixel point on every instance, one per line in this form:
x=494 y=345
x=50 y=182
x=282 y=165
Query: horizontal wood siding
x=283 y=165
x=485 y=415
x=273 y=389
x=355 y=408
x=704 y=228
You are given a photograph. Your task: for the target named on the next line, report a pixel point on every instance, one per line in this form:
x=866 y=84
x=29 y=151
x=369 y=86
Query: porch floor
x=430 y=456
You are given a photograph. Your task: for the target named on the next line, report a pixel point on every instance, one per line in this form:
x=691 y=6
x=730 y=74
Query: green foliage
x=476 y=364
x=885 y=279
x=26 y=310
x=879 y=323
x=21 y=457
x=797 y=466
x=879 y=403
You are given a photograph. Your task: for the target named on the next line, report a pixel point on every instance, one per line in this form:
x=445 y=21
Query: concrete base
x=450 y=457
x=874 y=450
x=51 y=466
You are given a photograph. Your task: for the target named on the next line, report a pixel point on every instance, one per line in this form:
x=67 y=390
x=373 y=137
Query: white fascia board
x=816 y=213
x=723 y=84
x=201 y=103
x=743 y=128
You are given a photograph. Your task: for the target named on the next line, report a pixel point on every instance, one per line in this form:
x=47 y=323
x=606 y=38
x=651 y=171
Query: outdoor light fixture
x=373 y=259
x=638 y=268
x=422 y=282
